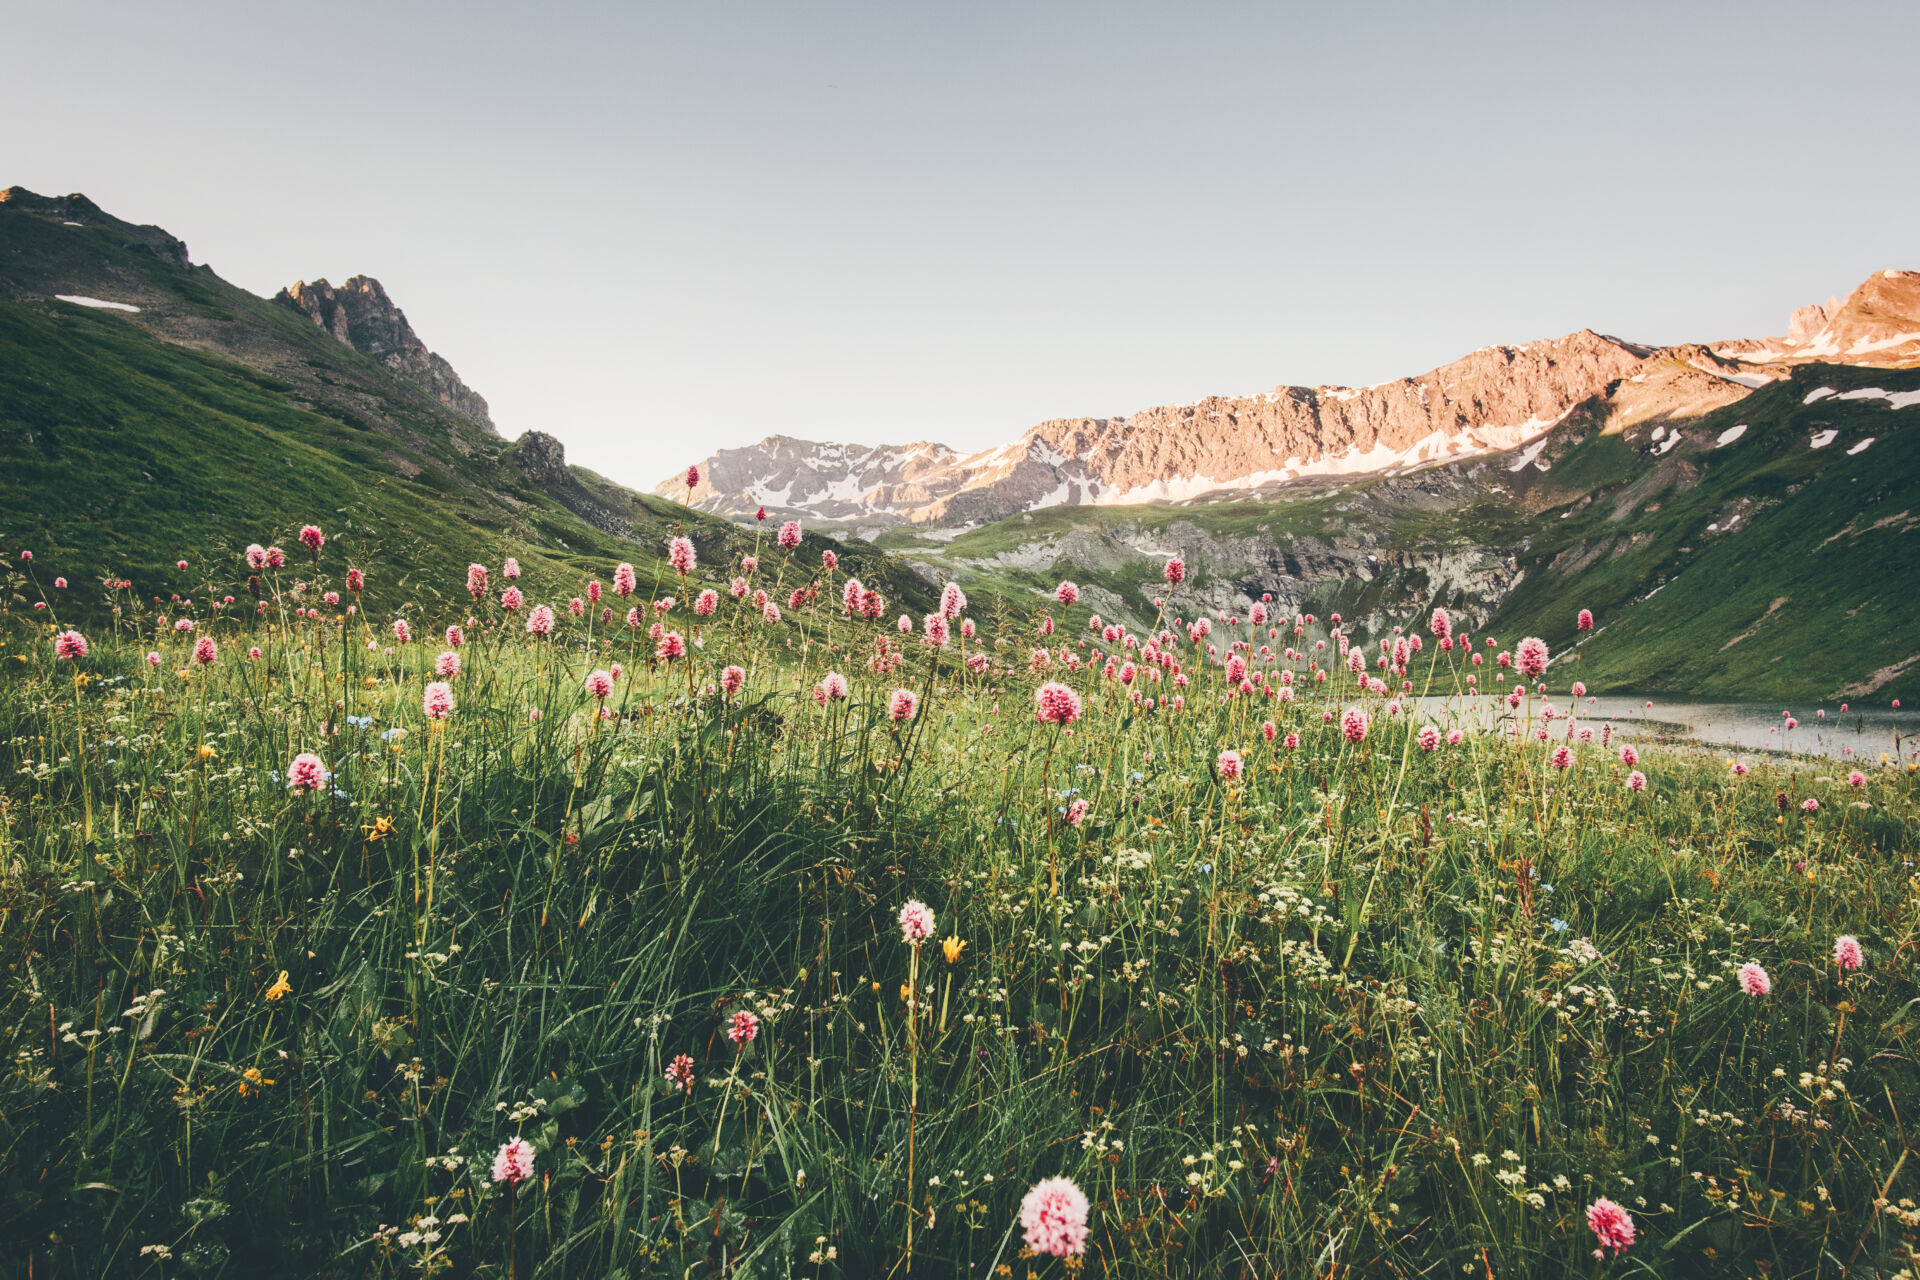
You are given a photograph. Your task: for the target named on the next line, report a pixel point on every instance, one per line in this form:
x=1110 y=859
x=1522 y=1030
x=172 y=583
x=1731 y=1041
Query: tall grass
x=1365 y=1008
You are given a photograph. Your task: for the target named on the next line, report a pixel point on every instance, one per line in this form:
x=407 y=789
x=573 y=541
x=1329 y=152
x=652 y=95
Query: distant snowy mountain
x=1495 y=399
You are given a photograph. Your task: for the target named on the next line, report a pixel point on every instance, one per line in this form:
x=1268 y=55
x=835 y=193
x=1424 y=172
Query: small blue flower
x=1137 y=776
x=1561 y=926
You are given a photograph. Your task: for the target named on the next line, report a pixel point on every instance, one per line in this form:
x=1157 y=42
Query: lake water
x=1859 y=734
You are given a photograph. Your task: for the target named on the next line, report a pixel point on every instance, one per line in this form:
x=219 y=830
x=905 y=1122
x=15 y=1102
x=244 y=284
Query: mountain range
x=1743 y=514
x=1494 y=399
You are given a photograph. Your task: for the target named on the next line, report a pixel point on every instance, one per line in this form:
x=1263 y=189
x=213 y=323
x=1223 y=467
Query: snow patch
x=1861 y=447
x=1894 y=399
x=1530 y=454
x=1731 y=434
x=1821 y=439
x=1754 y=380
x=1666 y=446
x=80 y=301
x=1818 y=393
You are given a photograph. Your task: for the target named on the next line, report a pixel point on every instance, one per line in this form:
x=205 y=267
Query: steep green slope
x=1761 y=566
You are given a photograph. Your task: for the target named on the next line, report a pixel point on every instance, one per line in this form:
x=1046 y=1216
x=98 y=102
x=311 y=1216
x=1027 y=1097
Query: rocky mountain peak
x=359 y=313
x=1876 y=324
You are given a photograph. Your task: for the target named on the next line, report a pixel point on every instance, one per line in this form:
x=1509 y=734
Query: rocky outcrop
x=359 y=314
x=543 y=458
x=1877 y=324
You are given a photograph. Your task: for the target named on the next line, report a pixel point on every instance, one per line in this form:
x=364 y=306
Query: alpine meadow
x=946 y=790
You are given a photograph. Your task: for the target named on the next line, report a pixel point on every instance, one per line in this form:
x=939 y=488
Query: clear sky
x=655 y=231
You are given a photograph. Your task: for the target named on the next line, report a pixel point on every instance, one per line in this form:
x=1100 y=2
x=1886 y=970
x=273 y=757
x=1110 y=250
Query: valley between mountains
x=1741 y=514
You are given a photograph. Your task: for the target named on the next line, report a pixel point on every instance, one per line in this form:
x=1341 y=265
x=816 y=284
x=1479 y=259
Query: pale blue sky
x=659 y=230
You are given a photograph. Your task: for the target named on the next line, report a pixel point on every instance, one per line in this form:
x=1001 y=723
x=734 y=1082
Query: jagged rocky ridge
x=1495 y=399
x=359 y=313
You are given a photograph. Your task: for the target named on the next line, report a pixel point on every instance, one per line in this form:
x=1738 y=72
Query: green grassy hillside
x=213 y=418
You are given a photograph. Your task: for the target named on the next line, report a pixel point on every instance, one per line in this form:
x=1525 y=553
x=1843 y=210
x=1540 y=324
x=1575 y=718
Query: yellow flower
x=372 y=683
x=252 y=1081
x=280 y=986
x=953 y=947
x=906 y=993
x=206 y=751
x=382 y=827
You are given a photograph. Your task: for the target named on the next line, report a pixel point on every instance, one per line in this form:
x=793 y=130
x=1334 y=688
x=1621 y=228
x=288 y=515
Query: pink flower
x=1440 y=624
x=183 y=625
x=748 y=564
x=455 y=636
x=1354 y=724
x=680 y=1074
x=533 y=716
x=256 y=557
x=936 y=629
x=771 y=612
x=275 y=557
x=540 y=620
x=1636 y=781
x=306 y=773
x=1563 y=758
x=953 y=601
x=1579 y=689
x=1291 y=742
x=577 y=607
x=623 y=580
x=356 y=580
x=1585 y=623
x=447 y=665
x=511 y=599
x=1610 y=1223
x=732 y=679
x=1739 y=768
x=1067 y=592
x=330 y=599
x=1754 y=980
x=1176 y=572
x=706 y=602
x=1810 y=805
x=744 y=1028
x=1847 y=953
x=205 y=651
x=437 y=701
x=905 y=625
x=180 y=564
x=789 y=535
x=1531 y=654
x=1228 y=764
x=693 y=477
x=902 y=706
x=1628 y=756
x=829 y=561
x=599 y=684
x=916 y=921
x=311 y=538
x=680 y=555
x=593 y=591
x=401 y=631
x=1077 y=812
x=513 y=1163
x=1269 y=730
x=1429 y=738
x=153 y=659
x=1455 y=737
x=70 y=645
x=670 y=646
x=833 y=685
x=511 y=569
x=1856 y=779
x=1053 y=1218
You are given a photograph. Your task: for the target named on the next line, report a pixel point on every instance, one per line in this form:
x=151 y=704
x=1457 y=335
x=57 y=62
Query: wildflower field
x=723 y=921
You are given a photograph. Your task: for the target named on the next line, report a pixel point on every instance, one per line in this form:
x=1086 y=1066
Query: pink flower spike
x=437 y=701
x=1754 y=980
x=1053 y=1218
x=513 y=1163
x=1611 y=1224
x=1847 y=953
x=744 y=1028
x=916 y=922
